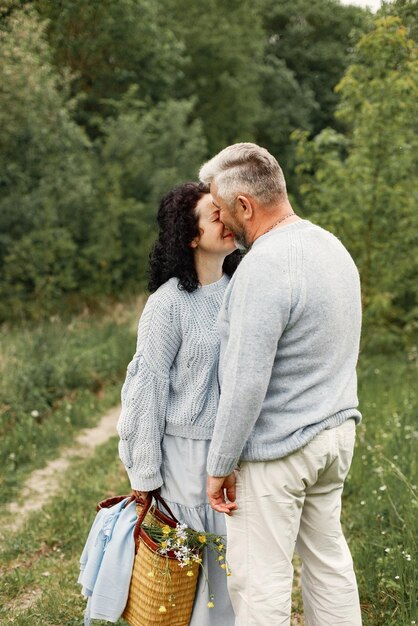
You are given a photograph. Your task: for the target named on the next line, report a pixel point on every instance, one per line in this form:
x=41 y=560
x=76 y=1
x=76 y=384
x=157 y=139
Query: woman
x=171 y=391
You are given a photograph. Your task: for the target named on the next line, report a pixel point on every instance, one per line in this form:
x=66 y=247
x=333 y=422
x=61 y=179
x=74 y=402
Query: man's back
x=285 y=427
x=302 y=301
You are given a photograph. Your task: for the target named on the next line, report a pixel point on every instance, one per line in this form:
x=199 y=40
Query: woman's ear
x=195 y=242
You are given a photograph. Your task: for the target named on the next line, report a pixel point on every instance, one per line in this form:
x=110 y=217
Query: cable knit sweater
x=172 y=381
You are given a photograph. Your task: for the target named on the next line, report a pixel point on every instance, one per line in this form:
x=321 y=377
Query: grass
x=381 y=495
x=39 y=564
x=56 y=378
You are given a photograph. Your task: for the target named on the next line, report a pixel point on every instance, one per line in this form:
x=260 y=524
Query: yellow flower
x=210 y=605
x=163 y=544
x=220 y=558
x=190 y=573
x=202 y=538
x=166 y=530
x=223 y=566
x=228 y=573
x=221 y=547
x=162 y=609
x=218 y=540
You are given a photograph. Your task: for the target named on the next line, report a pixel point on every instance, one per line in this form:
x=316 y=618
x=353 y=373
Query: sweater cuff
x=219 y=465
x=145 y=483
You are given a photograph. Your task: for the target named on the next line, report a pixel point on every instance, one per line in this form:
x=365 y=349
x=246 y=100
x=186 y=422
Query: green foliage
x=109 y=46
x=307 y=49
x=39 y=267
x=143 y=152
x=76 y=215
x=406 y=10
x=381 y=499
x=44 y=168
x=360 y=185
x=223 y=44
x=104 y=106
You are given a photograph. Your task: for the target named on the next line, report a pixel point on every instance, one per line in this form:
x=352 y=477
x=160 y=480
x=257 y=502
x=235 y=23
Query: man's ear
x=245 y=207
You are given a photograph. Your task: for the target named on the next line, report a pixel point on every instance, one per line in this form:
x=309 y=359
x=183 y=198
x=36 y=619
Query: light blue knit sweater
x=172 y=381
x=290 y=330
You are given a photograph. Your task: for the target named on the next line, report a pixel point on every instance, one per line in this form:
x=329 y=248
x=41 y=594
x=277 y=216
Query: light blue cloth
x=106 y=562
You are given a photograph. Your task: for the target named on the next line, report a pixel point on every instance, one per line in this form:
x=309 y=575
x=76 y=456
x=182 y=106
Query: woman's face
x=215 y=238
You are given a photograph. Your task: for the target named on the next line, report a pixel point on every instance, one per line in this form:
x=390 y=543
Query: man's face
x=230 y=218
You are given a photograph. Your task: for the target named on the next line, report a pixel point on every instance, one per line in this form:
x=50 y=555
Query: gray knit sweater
x=290 y=330
x=172 y=381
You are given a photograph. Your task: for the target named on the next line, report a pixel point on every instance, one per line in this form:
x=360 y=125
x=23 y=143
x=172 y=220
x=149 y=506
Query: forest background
x=104 y=106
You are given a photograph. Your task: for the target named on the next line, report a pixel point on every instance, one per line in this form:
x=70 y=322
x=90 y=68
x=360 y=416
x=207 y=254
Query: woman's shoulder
x=168 y=296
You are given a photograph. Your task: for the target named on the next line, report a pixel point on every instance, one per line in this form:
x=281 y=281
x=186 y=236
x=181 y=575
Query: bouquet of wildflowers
x=186 y=546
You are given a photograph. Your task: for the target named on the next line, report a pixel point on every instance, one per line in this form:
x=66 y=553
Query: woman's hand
x=140 y=495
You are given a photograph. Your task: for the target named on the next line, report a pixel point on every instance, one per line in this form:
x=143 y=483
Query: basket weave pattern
x=146 y=594
x=168 y=585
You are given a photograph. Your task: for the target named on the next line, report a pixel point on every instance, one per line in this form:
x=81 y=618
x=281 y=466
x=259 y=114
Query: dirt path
x=42 y=484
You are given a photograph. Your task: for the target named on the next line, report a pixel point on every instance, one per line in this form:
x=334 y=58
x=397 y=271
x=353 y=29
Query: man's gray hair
x=245 y=168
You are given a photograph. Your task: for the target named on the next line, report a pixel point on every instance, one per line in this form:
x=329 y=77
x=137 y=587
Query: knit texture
x=172 y=381
x=290 y=331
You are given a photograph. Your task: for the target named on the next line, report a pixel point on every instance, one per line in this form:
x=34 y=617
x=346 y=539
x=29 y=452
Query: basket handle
x=146 y=505
x=163 y=503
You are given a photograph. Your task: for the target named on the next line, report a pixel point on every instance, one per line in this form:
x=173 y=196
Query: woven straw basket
x=146 y=595
x=169 y=585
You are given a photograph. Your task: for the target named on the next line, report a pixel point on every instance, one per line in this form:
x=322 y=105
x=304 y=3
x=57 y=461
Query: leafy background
x=104 y=106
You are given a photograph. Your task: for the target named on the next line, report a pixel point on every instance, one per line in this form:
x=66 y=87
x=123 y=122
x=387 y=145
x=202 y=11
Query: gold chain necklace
x=282 y=219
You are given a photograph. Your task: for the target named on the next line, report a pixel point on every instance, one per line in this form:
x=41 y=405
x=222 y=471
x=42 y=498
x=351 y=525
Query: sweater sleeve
x=145 y=393
x=257 y=312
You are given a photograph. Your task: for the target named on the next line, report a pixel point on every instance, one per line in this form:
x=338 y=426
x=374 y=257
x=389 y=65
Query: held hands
x=216 y=490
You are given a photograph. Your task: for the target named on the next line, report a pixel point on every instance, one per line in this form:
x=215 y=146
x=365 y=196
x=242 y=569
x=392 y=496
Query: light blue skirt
x=184 y=488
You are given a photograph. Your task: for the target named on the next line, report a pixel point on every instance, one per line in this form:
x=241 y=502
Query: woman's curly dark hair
x=171 y=255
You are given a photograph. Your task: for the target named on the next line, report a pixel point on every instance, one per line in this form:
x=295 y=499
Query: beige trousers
x=287 y=504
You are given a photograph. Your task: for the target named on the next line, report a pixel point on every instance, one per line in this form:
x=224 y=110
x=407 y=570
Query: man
x=290 y=329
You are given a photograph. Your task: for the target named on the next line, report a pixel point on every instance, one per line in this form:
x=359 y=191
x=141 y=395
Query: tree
x=312 y=37
x=143 y=152
x=44 y=159
x=361 y=184
x=109 y=46
x=223 y=44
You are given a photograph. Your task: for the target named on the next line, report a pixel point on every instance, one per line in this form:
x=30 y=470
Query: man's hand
x=216 y=489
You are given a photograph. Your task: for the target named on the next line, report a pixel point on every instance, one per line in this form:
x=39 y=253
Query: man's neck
x=276 y=217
